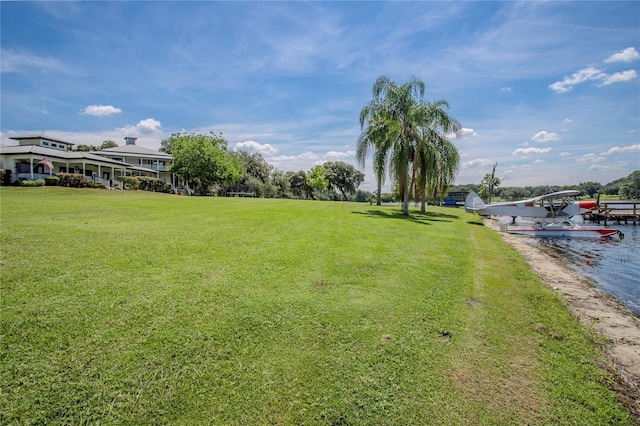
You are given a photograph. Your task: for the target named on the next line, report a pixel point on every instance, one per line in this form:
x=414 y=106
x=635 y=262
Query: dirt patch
x=594 y=308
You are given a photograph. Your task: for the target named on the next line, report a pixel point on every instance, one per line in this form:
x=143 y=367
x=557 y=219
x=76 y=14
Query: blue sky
x=548 y=90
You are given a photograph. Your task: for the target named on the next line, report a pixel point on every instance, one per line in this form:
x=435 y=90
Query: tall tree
x=257 y=174
x=281 y=183
x=437 y=159
x=108 y=144
x=316 y=179
x=343 y=177
x=167 y=145
x=399 y=128
x=299 y=185
x=489 y=183
x=394 y=107
x=374 y=138
x=204 y=161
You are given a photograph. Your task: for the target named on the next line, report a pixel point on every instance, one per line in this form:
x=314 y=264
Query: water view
x=612 y=265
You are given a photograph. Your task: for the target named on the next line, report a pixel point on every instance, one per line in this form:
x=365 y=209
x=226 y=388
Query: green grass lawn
x=143 y=308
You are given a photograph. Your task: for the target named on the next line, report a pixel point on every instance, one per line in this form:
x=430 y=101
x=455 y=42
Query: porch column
x=31 y=167
x=84 y=168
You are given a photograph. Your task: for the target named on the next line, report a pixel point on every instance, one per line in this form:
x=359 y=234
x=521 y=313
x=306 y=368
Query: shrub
x=98 y=185
x=52 y=180
x=28 y=183
x=32 y=183
x=72 y=180
x=153 y=184
x=130 y=182
x=146 y=183
x=5 y=177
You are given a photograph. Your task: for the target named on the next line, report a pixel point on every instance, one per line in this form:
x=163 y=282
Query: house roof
x=58 y=154
x=46 y=138
x=134 y=151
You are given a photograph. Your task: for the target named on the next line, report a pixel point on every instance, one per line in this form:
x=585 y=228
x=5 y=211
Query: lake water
x=612 y=265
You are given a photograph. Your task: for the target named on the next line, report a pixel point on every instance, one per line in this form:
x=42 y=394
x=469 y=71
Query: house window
x=45 y=143
x=22 y=167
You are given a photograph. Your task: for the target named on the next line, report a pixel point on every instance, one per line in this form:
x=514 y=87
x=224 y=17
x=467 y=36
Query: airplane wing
x=553 y=195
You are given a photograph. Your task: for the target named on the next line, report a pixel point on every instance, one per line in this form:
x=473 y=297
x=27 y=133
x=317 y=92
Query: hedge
x=73 y=180
x=52 y=180
x=32 y=183
x=146 y=183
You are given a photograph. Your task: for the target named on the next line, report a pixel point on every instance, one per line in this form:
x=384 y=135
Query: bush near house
x=51 y=181
x=98 y=185
x=5 y=177
x=130 y=182
x=146 y=183
x=153 y=184
x=32 y=183
x=73 y=180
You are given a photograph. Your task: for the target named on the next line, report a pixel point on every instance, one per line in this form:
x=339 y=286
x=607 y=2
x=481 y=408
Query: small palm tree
x=392 y=111
x=374 y=137
x=437 y=158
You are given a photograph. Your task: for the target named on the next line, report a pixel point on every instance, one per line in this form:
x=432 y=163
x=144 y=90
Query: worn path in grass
x=595 y=309
x=141 y=308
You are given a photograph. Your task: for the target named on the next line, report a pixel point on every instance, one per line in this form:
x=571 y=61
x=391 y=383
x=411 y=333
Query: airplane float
x=548 y=215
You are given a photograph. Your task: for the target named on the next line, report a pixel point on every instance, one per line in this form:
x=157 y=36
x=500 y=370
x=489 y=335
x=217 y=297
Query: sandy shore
x=597 y=310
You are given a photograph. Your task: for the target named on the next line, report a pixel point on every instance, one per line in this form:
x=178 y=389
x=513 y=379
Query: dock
x=617 y=211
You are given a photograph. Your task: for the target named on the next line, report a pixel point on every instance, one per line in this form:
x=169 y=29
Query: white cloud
x=591 y=158
x=567 y=120
x=253 y=146
x=586 y=74
x=619 y=77
x=337 y=154
x=564 y=154
x=544 y=137
x=144 y=126
x=478 y=162
x=530 y=151
x=538 y=161
x=304 y=156
x=598 y=167
x=621 y=149
x=16 y=62
x=505 y=90
x=594 y=74
x=467 y=132
x=101 y=110
x=629 y=54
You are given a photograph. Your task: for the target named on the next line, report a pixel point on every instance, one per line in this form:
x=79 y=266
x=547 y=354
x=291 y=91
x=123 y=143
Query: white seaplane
x=552 y=215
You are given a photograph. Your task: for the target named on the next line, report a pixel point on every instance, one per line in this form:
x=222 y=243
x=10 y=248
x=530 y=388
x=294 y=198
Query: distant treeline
x=627 y=188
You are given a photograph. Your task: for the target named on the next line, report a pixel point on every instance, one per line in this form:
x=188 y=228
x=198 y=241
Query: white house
x=140 y=157
x=36 y=157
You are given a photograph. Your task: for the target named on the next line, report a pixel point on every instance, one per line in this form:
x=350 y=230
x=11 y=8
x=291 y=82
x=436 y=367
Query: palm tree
x=395 y=113
x=446 y=169
x=437 y=159
x=374 y=137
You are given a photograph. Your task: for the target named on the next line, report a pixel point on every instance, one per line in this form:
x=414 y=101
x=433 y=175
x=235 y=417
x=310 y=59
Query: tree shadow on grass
x=475 y=223
x=421 y=218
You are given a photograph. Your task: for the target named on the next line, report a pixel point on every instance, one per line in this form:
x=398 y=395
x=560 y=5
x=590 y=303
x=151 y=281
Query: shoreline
x=596 y=310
